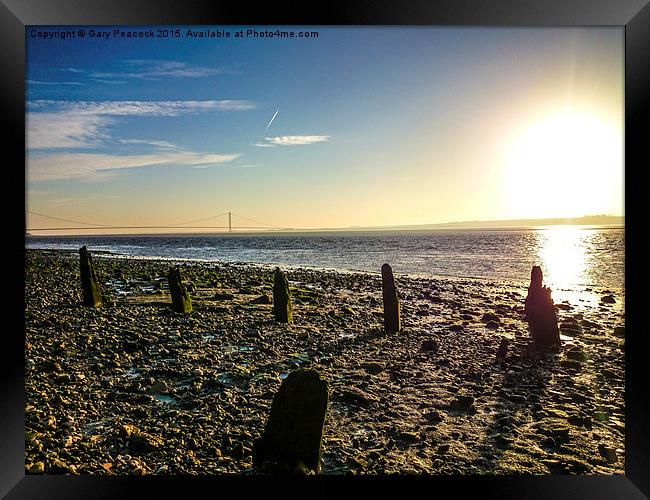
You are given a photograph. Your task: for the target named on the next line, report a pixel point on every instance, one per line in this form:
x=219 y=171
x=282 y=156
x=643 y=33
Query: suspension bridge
x=81 y=225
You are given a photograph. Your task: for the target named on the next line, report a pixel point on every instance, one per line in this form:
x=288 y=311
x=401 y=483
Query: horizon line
x=471 y=224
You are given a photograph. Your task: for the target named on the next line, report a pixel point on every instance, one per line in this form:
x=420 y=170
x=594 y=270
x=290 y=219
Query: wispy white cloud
x=75 y=200
x=109 y=82
x=39 y=82
x=85 y=124
x=292 y=140
x=226 y=166
x=80 y=199
x=140 y=108
x=65 y=201
x=92 y=166
x=151 y=69
x=82 y=124
x=158 y=144
x=65 y=130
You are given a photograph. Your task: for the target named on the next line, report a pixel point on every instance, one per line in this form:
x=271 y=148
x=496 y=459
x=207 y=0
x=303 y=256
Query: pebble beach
x=133 y=388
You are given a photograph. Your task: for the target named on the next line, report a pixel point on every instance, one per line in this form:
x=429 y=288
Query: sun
x=566 y=165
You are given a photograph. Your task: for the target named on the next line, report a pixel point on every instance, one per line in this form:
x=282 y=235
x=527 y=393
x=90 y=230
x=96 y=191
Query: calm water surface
x=570 y=256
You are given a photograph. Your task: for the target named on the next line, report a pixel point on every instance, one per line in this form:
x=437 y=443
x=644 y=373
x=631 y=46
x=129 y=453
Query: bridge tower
x=230 y=222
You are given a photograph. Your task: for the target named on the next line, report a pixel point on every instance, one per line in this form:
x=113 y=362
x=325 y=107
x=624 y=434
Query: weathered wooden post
x=281 y=298
x=181 y=301
x=391 y=302
x=540 y=311
x=91 y=294
x=502 y=351
x=291 y=441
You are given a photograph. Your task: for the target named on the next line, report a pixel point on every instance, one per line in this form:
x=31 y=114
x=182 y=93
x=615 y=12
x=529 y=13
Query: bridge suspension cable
x=258 y=222
x=67 y=220
x=179 y=225
x=199 y=220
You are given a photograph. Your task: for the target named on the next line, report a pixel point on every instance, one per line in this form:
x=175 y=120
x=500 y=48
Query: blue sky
x=372 y=125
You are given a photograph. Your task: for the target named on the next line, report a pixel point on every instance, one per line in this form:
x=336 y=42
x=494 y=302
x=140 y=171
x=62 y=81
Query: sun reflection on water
x=567 y=259
x=562 y=253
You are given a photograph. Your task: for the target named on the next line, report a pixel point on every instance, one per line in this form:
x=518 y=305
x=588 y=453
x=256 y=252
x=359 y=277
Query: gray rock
x=433 y=417
x=442 y=449
x=576 y=354
x=262 y=299
x=408 y=437
x=356 y=396
x=36 y=468
x=487 y=317
x=374 y=368
x=463 y=403
x=608 y=453
x=429 y=346
x=60 y=467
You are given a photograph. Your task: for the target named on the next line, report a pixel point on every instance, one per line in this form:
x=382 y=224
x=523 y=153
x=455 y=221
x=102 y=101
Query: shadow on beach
x=521 y=384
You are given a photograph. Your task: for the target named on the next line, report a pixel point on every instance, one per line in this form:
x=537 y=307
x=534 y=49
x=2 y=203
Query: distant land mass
x=587 y=220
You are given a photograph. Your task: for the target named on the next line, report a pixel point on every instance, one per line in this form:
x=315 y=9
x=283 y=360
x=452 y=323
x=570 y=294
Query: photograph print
x=257 y=250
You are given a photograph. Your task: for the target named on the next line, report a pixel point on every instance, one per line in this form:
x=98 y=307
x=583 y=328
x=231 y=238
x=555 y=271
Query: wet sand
x=134 y=388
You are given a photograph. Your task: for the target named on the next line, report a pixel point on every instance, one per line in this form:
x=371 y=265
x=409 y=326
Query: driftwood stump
x=181 y=301
x=391 y=302
x=502 y=351
x=281 y=298
x=291 y=441
x=540 y=311
x=91 y=295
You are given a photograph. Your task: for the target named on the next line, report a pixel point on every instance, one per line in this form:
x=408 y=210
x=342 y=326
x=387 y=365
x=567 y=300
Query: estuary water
x=570 y=256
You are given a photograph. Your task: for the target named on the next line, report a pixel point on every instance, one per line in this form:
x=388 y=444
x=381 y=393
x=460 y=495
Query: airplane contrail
x=267 y=127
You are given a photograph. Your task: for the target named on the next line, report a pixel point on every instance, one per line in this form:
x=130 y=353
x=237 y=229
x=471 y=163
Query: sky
x=367 y=126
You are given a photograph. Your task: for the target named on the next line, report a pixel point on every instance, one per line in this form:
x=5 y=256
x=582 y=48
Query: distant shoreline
x=445 y=227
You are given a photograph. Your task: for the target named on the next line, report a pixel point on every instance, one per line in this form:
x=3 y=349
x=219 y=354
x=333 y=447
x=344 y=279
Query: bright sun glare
x=569 y=164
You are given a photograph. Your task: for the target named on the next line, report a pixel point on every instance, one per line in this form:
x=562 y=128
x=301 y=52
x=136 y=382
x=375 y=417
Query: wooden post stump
x=181 y=301
x=502 y=351
x=391 y=302
x=540 y=311
x=281 y=298
x=291 y=441
x=91 y=295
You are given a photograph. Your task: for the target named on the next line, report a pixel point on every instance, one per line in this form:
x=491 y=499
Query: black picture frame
x=634 y=15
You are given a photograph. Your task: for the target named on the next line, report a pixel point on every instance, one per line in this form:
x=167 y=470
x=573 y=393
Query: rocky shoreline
x=134 y=388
